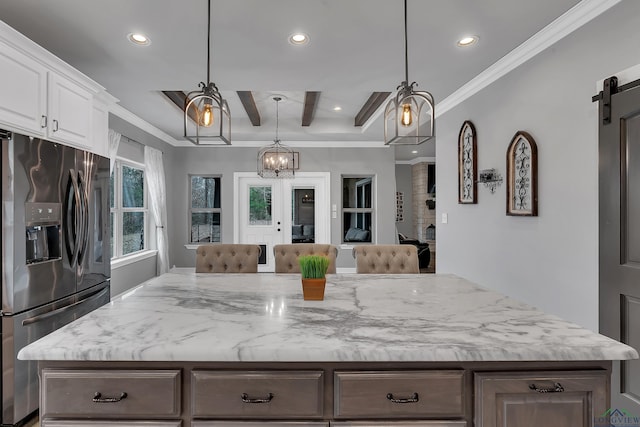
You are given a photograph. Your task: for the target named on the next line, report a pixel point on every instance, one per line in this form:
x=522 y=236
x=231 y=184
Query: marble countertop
x=263 y=317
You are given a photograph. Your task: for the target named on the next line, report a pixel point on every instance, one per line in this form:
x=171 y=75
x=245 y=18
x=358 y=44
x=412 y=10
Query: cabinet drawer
x=110 y=393
x=398 y=394
x=259 y=424
x=78 y=423
x=399 y=424
x=257 y=394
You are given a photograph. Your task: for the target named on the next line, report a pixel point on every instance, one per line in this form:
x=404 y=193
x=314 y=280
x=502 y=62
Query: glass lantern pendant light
x=207 y=120
x=409 y=116
x=277 y=160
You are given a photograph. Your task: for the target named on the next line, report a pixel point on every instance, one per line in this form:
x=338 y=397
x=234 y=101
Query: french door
x=275 y=211
x=619 y=194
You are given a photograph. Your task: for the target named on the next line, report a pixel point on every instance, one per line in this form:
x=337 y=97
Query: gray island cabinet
x=210 y=350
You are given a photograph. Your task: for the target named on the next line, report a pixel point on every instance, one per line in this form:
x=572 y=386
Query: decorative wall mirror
x=522 y=176
x=467 y=164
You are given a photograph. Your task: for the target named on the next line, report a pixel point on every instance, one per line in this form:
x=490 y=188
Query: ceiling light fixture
x=337 y=108
x=298 y=38
x=277 y=160
x=139 y=39
x=467 y=41
x=409 y=116
x=207 y=120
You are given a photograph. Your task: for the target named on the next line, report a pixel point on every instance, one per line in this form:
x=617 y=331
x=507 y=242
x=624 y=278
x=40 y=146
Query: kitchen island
x=227 y=350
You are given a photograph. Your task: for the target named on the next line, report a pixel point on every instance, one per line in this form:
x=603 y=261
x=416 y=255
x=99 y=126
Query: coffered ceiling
x=355 y=50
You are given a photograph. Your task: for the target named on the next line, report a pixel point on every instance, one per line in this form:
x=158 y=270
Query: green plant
x=313 y=266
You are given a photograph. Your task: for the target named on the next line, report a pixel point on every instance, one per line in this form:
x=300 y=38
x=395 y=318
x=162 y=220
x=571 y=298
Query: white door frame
x=320 y=181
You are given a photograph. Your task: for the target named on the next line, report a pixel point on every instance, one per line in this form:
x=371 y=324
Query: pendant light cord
x=406 y=49
x=209 y=42
x=277 y=117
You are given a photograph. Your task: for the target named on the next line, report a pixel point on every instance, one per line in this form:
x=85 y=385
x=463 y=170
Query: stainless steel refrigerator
x=55 y=252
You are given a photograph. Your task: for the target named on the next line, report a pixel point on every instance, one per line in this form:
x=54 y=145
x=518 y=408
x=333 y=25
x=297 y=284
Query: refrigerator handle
x=84 y=218
x=72 y=232
x=93 y=296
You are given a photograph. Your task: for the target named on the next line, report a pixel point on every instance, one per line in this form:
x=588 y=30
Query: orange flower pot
x=313 y=289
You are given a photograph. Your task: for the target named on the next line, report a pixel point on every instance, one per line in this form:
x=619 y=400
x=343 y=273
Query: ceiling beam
x=249 y=104
x=310 y=103
x=178 y=97
x=370 y=107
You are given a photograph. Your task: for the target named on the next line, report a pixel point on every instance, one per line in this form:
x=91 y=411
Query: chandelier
x=207 y=120
x=277 y=160
x=409 y=116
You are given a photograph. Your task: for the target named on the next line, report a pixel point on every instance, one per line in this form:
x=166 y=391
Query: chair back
x=287 y=256
x=227 y=258
x=381 y=259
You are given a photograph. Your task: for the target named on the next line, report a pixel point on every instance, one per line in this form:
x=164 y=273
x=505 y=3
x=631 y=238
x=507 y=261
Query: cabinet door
x=70 y=112
x=550 y=399
x=23 y=85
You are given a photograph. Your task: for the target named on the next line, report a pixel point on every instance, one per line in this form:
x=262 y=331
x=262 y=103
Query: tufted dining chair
x=392 y=259
x=227 y=258
x=287 y=255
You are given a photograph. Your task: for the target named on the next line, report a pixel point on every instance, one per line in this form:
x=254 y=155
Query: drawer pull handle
x=556 y=388
x=412 y=399
x=246 y=399
x=97 y=398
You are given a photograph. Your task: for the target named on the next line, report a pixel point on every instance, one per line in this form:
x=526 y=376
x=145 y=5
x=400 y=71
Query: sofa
x=424 y=253
x=354 y=234
x=302 y=233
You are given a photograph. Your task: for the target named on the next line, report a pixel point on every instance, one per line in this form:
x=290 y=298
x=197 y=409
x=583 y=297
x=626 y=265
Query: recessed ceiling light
x=467 y=41
x=337 y=108
x=414 y=152
x=139 y=39
x=298 y=38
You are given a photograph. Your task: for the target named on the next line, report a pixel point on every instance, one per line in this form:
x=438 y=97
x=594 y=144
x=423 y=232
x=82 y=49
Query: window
x=128 y=209
x=204 y=211
x=357 y=208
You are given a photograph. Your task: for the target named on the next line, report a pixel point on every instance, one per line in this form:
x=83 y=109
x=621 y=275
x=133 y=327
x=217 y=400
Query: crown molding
x=416 y=161
x=564 y=25
x=128 y=116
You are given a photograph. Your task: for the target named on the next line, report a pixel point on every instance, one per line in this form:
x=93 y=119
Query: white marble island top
x=366 y=318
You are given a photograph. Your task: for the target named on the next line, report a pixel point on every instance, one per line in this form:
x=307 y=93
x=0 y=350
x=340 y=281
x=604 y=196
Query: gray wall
x=550 y=261
x=130 y=275
x=404 y=182
x=227 y=160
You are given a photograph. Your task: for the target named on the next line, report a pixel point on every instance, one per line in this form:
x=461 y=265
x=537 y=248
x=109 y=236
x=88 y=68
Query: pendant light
x=409 y=116
x=277 y=160
x=207 y=120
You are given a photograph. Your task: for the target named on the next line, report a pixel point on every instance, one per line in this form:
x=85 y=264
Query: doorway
x=619 y=233
x=275 y=211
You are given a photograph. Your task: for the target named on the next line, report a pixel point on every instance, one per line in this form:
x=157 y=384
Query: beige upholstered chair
x=287 y=256
x=380 y=259
x=227 y=258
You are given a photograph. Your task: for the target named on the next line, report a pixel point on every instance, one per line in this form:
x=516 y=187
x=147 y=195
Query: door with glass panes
x=276 y=211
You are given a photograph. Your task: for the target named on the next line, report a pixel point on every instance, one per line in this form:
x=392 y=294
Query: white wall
x=550 y=261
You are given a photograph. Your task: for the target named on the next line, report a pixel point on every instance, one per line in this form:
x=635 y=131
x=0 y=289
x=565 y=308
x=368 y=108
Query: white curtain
x=158 y=204
x=114 y=143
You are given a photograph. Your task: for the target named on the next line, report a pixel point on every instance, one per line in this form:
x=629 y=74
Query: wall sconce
x=491 y=179
x=431 y=204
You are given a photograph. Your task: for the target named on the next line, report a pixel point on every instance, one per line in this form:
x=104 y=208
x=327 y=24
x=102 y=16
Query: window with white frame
x=128 y=209
x=204 y=208
x=357 y=209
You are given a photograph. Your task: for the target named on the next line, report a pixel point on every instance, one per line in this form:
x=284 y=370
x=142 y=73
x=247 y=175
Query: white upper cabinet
x=42 y=96
x=70 y=111
x=23 y=85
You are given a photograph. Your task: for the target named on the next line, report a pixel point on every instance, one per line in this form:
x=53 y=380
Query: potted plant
x=313 y=269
